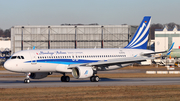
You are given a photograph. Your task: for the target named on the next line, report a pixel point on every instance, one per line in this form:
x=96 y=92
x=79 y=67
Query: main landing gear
x=94 y=78
x=65 y=78
x=27 y=78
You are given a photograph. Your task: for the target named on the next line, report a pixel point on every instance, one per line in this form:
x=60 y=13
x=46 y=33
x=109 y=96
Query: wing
x=168 y=51
x=119 y=61
x=146 y=54
x=114 y=61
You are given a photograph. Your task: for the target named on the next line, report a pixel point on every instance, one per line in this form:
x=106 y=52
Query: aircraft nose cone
x=7 y=65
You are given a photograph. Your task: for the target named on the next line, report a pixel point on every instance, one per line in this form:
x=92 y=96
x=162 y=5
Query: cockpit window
x=22 y=57
x=13 y=57
x=17 y=57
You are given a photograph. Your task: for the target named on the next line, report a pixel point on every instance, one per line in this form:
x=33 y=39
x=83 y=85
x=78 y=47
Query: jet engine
x=38 y=75
x=82 y=72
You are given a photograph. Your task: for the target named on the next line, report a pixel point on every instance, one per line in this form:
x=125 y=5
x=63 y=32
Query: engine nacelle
x=38 y=75
x=82 y=72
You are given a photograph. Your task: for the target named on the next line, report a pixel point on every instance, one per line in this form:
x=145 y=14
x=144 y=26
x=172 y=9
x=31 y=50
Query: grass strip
x=98 y=93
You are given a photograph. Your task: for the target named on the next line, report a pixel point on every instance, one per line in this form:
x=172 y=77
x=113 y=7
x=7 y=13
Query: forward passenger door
x=33 y=58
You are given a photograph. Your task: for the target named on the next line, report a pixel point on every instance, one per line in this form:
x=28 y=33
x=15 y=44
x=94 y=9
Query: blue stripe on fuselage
x=63 y=61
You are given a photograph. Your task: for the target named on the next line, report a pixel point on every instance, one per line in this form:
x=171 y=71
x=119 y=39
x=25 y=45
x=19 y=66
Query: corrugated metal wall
x=53 y=37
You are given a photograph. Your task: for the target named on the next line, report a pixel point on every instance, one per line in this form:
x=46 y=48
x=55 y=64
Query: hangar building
x=5 y=44
x=165 y=37
x=70 y=36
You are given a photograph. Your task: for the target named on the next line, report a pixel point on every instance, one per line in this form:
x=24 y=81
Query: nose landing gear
x=27 y=78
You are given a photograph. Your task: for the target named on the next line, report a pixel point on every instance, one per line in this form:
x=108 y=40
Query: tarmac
x=55 y=82
x=8 y=80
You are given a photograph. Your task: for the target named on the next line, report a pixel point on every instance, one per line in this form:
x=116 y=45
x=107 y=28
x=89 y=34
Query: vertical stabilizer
x=140 y=38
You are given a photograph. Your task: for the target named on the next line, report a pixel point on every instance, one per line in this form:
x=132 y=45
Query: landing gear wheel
x=94 y=78
x=62 y=78
x=26 y=81
x=65 y=78
x=27 y=77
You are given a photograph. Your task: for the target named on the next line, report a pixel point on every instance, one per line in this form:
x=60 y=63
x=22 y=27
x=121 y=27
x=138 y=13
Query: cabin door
x=33 y=58
x=74 y=57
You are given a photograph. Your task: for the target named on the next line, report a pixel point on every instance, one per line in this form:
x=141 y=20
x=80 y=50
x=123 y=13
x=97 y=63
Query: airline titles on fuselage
x=51 y=53
x=61 y=52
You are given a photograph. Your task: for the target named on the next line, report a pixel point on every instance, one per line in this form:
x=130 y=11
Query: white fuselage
x=58 y=60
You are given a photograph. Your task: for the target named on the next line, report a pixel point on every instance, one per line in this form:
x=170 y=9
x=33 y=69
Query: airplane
x=175 y=53
x=82 y=63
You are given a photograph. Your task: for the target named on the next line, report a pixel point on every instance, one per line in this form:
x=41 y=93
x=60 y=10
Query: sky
x=103 y=12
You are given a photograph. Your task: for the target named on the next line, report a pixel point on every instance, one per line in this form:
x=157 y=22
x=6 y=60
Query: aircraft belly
x=48 y=67
x=39 y=67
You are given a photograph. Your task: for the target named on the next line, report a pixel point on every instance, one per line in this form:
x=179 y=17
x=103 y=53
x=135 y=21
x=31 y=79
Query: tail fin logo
x=140 y=38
